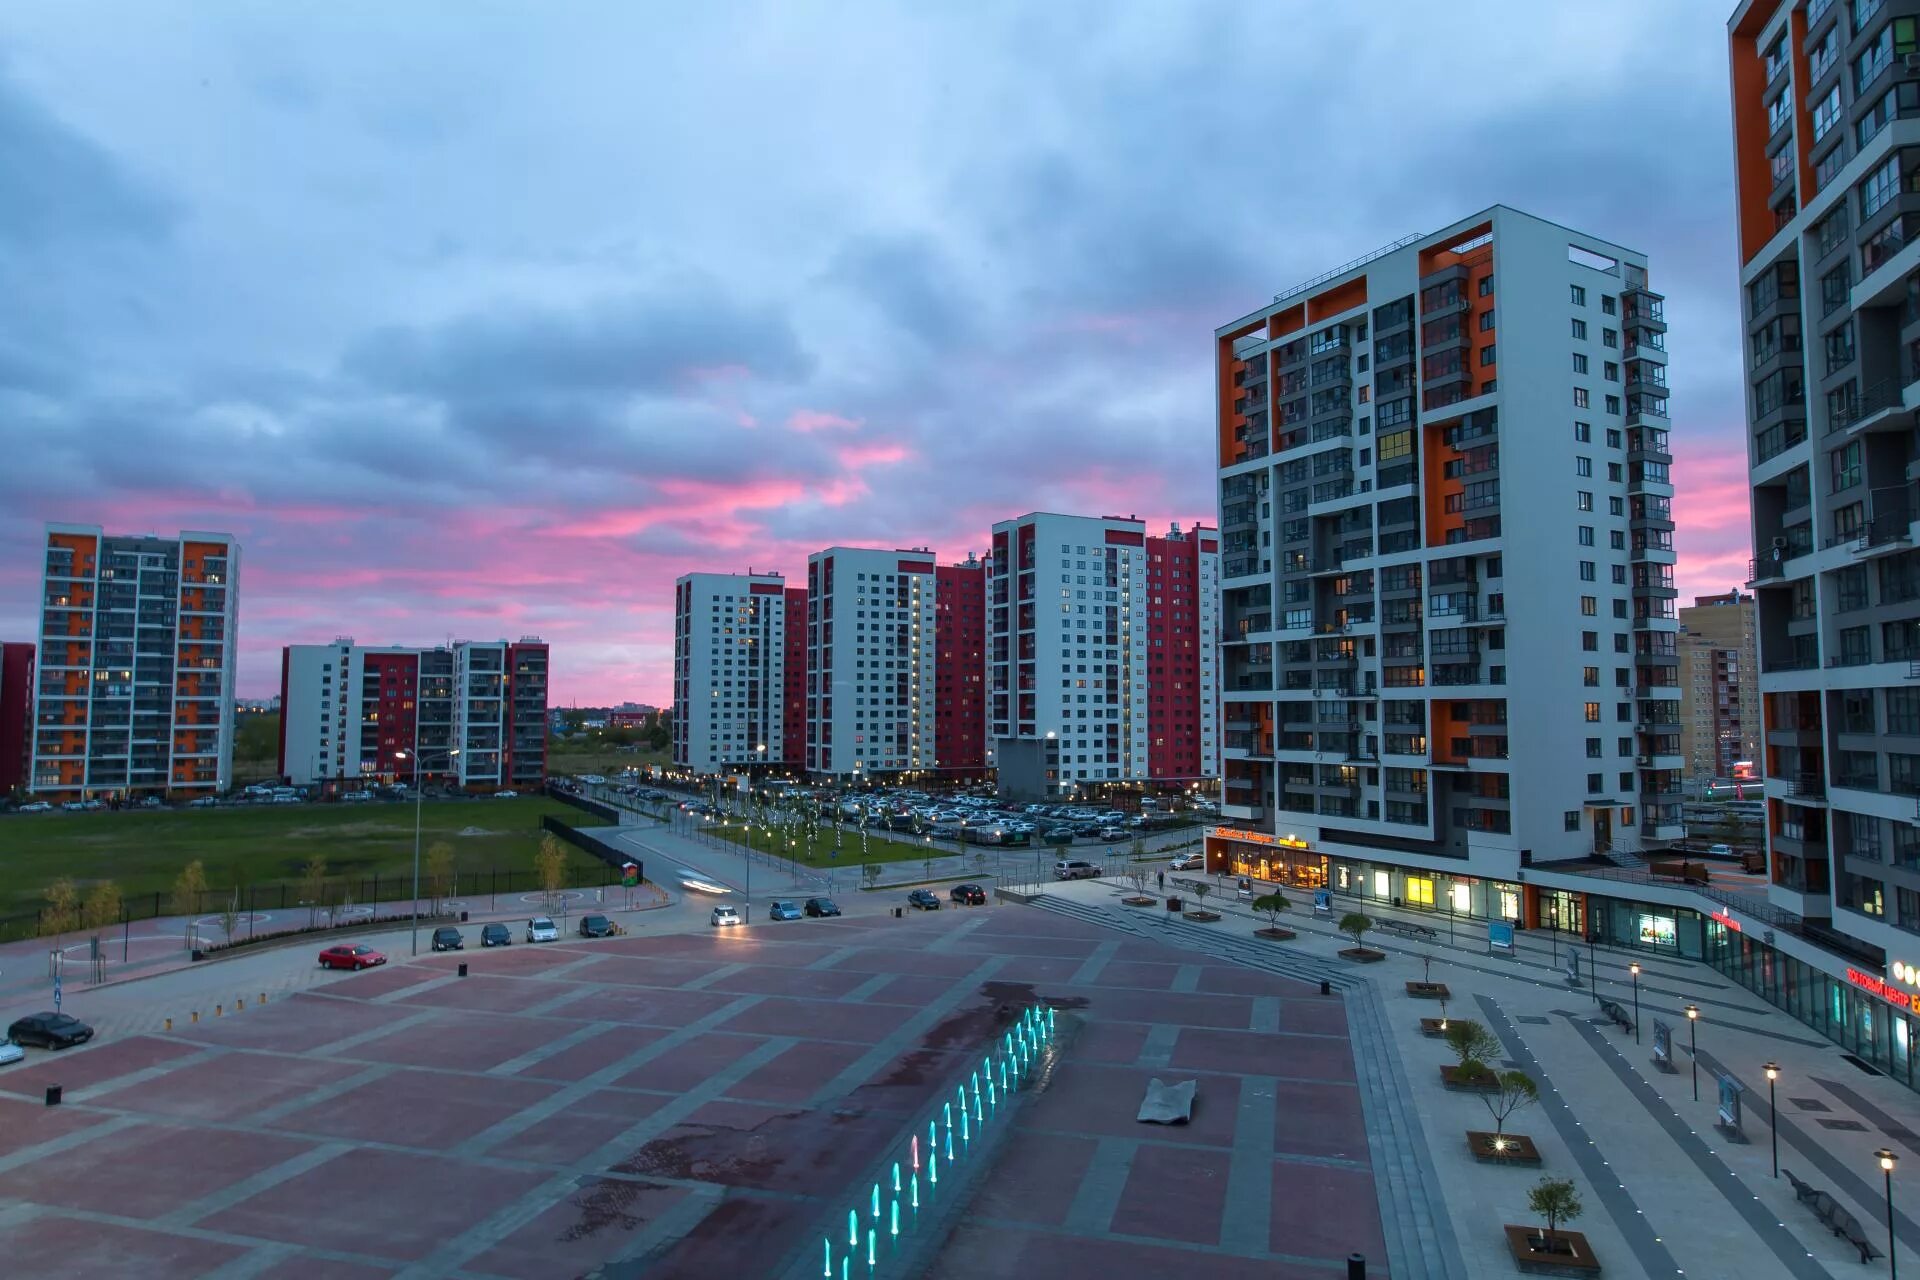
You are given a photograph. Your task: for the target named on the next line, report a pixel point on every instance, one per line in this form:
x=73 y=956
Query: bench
x=1835 y=1217
x=1615 y=1013
x=1407 y=929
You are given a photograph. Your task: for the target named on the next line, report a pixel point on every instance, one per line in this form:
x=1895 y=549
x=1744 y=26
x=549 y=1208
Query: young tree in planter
x=62 y=911
x=102 y=907
x=1271 y=905
x=872 y=873
x=1516 y=1091
x=550 y=866
x=230 y=916
x=313 y=886
x=1137 y=877
x=1200 y=891
x=1473 y=1044
x=1355 y=926
x=187 y=888
x=1554 y=1200
x=439 y=874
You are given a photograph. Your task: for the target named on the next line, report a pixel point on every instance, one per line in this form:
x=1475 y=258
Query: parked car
x=10 y=1053
x=495 y=935
x=1115 y=833
x=923 y=900
x=1059 y=835
x=970 y=895
x=152 y=802
x=1719 y=851
x=542 y=929
x=350 y=956
x=784 y=909
x=508 y=794
x=50 y=1031
x=41 y=806
x=352 y=797
x=597 y=927
x=1075 y=870
x=822 y=907
x=447 y=938
x=723 y=917
x=1189 y=862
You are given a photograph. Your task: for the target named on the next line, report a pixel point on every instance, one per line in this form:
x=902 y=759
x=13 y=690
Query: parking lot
x=695 y=1102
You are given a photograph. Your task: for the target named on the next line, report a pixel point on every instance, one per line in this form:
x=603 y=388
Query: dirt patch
x=608 y=1205
x=347 y=830
x=711 y=1153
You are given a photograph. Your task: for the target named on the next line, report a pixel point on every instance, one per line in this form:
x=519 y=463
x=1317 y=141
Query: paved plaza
x=695 y=1103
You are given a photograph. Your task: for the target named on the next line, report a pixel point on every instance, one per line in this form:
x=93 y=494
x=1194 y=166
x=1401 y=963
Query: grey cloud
x=61 y=185
x=909 y=280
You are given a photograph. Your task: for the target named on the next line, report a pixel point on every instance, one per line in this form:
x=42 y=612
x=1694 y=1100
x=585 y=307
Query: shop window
x=1419 y=892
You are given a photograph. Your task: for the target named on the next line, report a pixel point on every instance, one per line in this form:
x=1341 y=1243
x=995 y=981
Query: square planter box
x=1435 y=1028
x=1365 y=955
x=1201 y=917
x=1138 y=902
x=1429 y=991
x=1519 y=1149
x=1570 y=1256
x=1484 y=1083
x=1276 y=935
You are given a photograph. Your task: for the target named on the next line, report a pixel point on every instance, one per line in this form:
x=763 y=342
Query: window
x=1579 y=363
x=1583 y=466
x=1589 y=606
x=1613 y=437
x=1486 y=355
x=1609 y=337
x=1580 y=330
x=1826 y=114
x=1616 y=540
x=1584 y=500
x=1593 y=784
x=1844 y=465
x=1571 y=821
x=1590 y=641
x=1586 y=571
x=1579 y=296
x=1592 y=712
x=1879 y=187
x=1583 y=432
x=1613 y=405
x=1486 y=322
x=1579 y=397
x=1586 y=535
x=1615 y=474
x=1593 y=748
x=1610 y=371
x=1606 y=304
x=1486 y=286
x=1590 y=677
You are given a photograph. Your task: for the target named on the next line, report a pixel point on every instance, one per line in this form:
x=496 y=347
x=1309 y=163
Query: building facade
x=1100 y=670
x=870 y=663
x=472 y=715
x=136 y=665
x=729 y=664
x=960 y=670
x=1382 y=431
x=16 y=714
x=793 y=684
x=1719 y=687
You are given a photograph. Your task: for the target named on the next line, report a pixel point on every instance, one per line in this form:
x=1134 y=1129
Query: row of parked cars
x=355 y=956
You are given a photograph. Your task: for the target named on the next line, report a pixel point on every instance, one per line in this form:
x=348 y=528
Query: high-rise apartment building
x=16 y=714
x=136 y=667
x=1447 y=571
x=870 y=663
x=472 y=715
x=960 y=670
x=730 y=658
x=1719 y=687
x=793 y=684
x=1826 y=109
x=1100 y=669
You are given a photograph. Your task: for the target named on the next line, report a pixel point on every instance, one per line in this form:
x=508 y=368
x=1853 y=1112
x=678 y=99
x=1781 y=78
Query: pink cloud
x=807 y=421
x=877 y=453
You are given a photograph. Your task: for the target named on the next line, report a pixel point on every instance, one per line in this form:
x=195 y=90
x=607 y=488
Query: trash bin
x=463 y=917
x=1173 y=904
x=53 y=1095
x=897 y=913
x=463 y=968
x=198 y=954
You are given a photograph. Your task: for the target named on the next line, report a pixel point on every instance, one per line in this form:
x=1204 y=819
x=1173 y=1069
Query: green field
x=143 y=853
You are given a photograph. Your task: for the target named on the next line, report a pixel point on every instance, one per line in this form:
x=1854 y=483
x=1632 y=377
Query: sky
x=483 y=319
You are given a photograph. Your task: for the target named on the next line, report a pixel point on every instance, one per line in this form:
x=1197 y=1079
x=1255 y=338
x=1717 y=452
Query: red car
x=350 y=957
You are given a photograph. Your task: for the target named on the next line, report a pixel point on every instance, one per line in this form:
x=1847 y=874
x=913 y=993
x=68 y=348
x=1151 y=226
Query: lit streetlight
x=1693 y=1045
x=1634 y=969
x=1887 y=1160
x=418 y=797
x=1773 y=1117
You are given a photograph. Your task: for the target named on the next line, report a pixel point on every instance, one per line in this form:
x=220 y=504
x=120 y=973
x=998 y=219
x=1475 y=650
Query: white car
x=357 y=797
x=542 y=929
x=36 y=806
x=506 y=795
x=1189 y=862
x=203 y=802
x=10 y=1053
x=723 y=916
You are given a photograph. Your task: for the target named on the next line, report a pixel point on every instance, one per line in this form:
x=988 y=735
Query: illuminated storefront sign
x=1886 y=991
x=1259 y=837
x=1657 y=931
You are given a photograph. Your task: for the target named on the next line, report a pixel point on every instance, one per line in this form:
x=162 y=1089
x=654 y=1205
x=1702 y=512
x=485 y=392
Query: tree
x=1271 y=905
x=1138 y=849
x=1137 y=877
x=1355 y=925
x=439 y=873
x=1200 y=891
x=979 y=863
x=871 y=871
x=102 y=907
x=313 y=885
x=1515 y=1091
x=1473 y=1044
x=1554 y=1200
x=230 y=916
x=550 y=867
x=187 y=890
x=62 y=911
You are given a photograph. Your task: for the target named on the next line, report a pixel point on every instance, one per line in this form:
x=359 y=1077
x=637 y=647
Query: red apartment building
x=960 y=669
x=1180 y=656
x=16 y=713
x=793 y=683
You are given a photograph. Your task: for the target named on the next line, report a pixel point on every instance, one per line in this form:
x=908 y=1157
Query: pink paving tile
x=599 y=1221
x=1119 y=1042
x=147 y=1170
x=306 y=1021
x=1324 y=1211
x=646 y=1006
x=76 y=1249
x=760 y=979
x=917 y=990
x=369 y=983
x=89 y=1065
x=28 y=1124
x=742 y=1144
x=1131 y=973
x=486 y=992
x=1095 y=1099
x=1052 y=970
x=306 y=1267
x=1319 y=1120
x=427 y=1109
x=1174 y=1193
x=732 y=1240
x=980 y=942
x=907 y=1083
x=990 y=1249
x=645 y=971
x=1229 y=980
x=689 y=1065
x=817 y=1019
x=1035 y=1178
x=879 y=959
x=1179 y=1008
x=605 y=1048
x=232 y=1086
x=1256 y=1053
x=798 y=1073
x=582 y=1127
x=521 y=959
x=1321 y=1015
x=462 y=1041
x=399 y=1205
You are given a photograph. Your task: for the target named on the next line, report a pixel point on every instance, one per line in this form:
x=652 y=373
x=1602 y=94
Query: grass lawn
x=257 y=845
x=588 y=756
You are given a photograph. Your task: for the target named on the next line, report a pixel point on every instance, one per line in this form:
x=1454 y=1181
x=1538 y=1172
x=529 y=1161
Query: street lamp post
x=1634 y=969
x=1887 y=1160
x=1693 y=1045
x=1773 y=1116
x=418 y=798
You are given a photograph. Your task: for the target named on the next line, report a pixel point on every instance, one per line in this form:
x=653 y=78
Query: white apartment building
x=870 y=694
x=729 y=650
x=134 y=688
x=1447 y=592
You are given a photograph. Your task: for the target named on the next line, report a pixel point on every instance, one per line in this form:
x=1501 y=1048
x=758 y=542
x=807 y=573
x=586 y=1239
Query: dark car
x=496 y=935
x=923 y=900
x=822 y=907
x=1088 y=830
x=971 y=895
x=50 y=1031
x=597 y=927
x=447 y=938
x=1059 y=835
